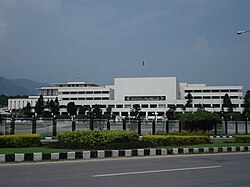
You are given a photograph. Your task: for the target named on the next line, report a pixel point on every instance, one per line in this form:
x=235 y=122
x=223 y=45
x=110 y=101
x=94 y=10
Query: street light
x=241 y=32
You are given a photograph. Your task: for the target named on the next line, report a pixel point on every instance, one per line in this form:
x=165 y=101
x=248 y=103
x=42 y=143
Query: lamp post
x=34 y=124
x=246 y=123
x=139 y=124
x=12 y=125
x=153 y=123
x=73 y=118
x=54 y=125
x=242 y=32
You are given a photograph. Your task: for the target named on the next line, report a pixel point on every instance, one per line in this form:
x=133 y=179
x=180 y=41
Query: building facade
x=155 y=95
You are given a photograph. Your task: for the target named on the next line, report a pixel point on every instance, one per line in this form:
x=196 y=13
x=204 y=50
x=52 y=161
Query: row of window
x=86 y=92
x=213 y=97
x=85 y=98
x=77 y=85
x=208 y=91
x=181 y=106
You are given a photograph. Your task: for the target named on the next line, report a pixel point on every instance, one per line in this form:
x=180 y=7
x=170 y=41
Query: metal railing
x=52 y=126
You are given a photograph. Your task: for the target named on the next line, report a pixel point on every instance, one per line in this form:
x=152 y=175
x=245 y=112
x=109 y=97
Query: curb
x=86 y=155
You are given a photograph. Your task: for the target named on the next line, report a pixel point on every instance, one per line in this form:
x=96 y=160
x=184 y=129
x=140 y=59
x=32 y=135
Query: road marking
x=155 y=171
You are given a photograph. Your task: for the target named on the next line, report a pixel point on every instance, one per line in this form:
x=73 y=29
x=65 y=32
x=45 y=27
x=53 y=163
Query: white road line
x=155 y=171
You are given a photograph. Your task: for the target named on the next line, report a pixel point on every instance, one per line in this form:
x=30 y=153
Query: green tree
x=189 y=100
x=227 y=103
x=97 y=112
x=56 y=109
x=83 y=110
x=171 y=112
x=39 y=107
x=27 y=110
x=71 y=108
x=108 y=113
x=200 y=120
x=135 y=111
x=3 y=100
x=247 y=102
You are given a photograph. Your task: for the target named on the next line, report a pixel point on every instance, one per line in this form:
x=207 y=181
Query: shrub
x=162 y=140
x=185 y=133
x=242 y=139
x=94 y=138
x=24 y=140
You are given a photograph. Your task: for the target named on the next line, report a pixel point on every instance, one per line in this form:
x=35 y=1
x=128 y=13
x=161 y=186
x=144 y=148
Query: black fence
x=49 y=127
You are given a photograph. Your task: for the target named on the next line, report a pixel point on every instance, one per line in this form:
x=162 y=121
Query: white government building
x=155 y=95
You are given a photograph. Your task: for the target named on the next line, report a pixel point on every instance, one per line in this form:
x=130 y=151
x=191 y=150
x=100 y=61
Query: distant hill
x=14 y=87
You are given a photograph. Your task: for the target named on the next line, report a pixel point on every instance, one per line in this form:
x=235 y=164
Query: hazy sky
x=98 y=40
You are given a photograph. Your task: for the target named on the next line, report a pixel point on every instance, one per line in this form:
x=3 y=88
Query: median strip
x=20 y=157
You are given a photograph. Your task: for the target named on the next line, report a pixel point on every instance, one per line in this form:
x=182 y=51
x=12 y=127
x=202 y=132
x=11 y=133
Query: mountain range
x=21 y=86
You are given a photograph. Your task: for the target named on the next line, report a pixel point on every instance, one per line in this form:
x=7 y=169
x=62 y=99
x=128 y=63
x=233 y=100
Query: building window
x=89 y=98
x=162 y=106
x=125 y=114
x=151 y=113
x=105 y=92
x=206 y=91
x=197 y=91
x=153 y=106
x=171 y=106
x=234 y=97
x=206 y=97
x=119 y=106
x=97 y=98
x=207 y=105
x=216 y=105
x=188 y=91
x=97 y=92
x=179 y=106
x=234 y=90
x=215 y=90
x=127 y=106
x=144 y=106
x=105 y=98
x=197 y=97
x=215 y=97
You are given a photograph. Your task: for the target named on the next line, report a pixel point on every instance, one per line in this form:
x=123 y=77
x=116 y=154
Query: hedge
x=242 y=138
x=163 y=140
x=95 y=138
x=22 y=140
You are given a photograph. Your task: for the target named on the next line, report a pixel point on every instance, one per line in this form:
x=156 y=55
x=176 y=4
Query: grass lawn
x=215 y=143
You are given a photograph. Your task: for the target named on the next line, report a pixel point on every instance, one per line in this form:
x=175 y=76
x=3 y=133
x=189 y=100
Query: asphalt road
x=183 y=170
